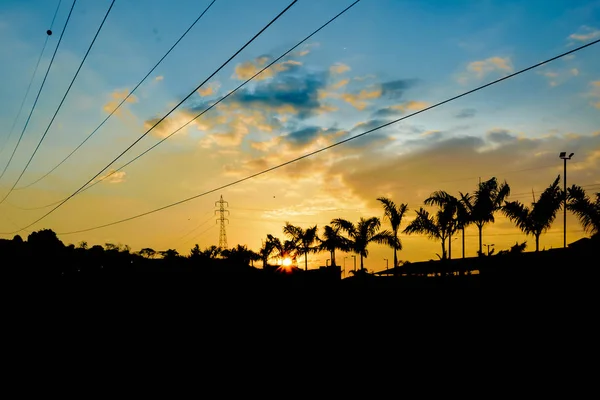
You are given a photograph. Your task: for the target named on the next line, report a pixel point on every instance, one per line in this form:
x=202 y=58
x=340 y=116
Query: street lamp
x=488 y=248
x=563 y=155
x=327 y=261
x=386 y=263
x=354 y=262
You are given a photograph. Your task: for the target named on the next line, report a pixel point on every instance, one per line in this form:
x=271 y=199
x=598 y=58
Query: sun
x=286 y=262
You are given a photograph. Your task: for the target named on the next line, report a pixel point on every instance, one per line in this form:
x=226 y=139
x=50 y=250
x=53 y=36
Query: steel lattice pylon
x=222 y=233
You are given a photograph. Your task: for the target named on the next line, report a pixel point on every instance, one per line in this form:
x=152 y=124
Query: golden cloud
x=358 y=100
x=116 y=98
x=479 y=69
x=339 y=68
x=248 y=69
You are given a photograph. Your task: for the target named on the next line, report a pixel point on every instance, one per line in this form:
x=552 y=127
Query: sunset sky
x=380 y=60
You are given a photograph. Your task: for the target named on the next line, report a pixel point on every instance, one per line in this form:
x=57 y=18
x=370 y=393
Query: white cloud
x=113 y=177
x=585 y=33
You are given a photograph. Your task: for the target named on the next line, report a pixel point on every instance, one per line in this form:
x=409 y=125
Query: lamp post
x=563 y=155
x=327 y=262
x=386 y=263
x=488 y=248
x=354 y=262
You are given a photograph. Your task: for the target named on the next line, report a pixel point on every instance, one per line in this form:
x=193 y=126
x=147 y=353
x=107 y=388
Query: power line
x=61 y=102
x=39 y=91
x=166 y=115
x=326 y=147
x=119 y=105
x=48 y=34
x=323 y=148
x=212 y=105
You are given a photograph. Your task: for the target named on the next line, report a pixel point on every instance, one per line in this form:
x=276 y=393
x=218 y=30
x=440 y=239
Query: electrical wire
x=166 y=115
x=119 y=105
x=205 y=110
x=39 y=91
x=61 y=103
x=48 y=34
x=326 y=147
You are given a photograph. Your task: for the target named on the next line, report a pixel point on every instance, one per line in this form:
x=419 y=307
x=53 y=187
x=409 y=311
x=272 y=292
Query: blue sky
x=379 y=61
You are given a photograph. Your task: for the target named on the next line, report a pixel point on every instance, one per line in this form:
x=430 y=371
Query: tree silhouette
x=303 y=240
x=438 y=226
x=539 y=218
x=365 y=232
x=455 y=208
x=586 y=210
x=333 y=240
x=269 y=246
x=239 y=255
x=394 y=215
x=170 y=254
x=487 y=199
x=147 y=252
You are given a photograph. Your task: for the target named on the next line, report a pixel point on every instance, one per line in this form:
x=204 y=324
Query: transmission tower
x=222 y=234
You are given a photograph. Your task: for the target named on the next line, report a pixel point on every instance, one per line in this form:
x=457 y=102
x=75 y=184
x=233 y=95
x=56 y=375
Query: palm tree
x=455 y=208
x=303 y=240
x=586 y=210
x=438 y=226
x=268 y=247
x=394 y=214
x=539 y=218
x=365 y=232
x=487 y=199
x=333 y=240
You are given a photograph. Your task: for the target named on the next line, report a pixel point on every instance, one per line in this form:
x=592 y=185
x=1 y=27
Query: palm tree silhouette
x=365 y=232
x=268 y=247
x=487 y=199
x=460 y=214
x=539 y=218
x=438 y=226
x=333 y=240
x=303 y=240
x=394 y=214
x=586 y=210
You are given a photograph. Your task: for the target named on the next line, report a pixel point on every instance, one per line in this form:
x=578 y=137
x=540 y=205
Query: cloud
x=556 y=78
x=248 y=69
x=500 y=136
x=480 y=69
x=112 y=177
x=338 y=68
x=339 y=84
x=357 y=100
x=395 y=89
x=399 y=109
x=116 y=98
x=466 y=113
x=585 y=33
x=210 y=89
x=286 y=94
x=159 y=78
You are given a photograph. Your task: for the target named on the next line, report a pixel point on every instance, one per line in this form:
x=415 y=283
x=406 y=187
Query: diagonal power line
x=326 y=147
x=39 y=91
x=119 y=105
x=211 y=106
x=167 y=114
x=60 y=104
x=48 y=33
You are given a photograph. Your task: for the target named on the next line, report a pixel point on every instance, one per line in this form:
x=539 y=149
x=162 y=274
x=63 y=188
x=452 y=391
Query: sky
x=379 y=61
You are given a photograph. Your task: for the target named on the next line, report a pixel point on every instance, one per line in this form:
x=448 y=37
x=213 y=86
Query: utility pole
x=563 y=155
x=222 y=233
